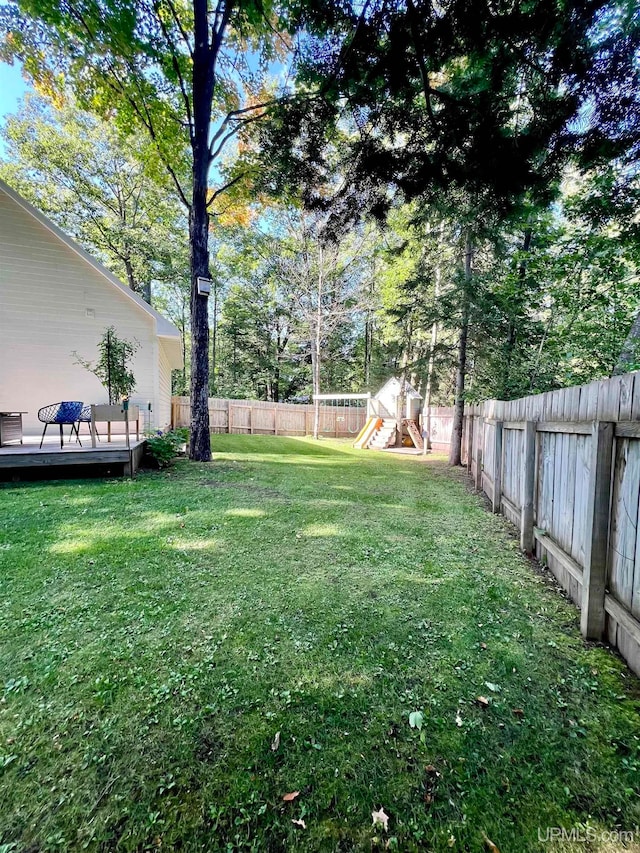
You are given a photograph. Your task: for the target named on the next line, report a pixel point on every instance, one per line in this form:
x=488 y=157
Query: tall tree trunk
x=432 y=352
x=134 y=284
x=204 y=58
x=367 y=349
x=214 y=339
x=429 y=387
x=183 y=330
x=315 y=369
x=200 y=439
x=275 y=385
x=401 y=402
x=455 y=448
x=316 y=346
x=512 y=335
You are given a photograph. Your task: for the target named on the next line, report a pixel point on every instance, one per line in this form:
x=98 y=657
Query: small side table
x=11 y=427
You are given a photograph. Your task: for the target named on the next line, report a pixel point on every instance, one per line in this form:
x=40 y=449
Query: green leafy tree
x=325 y=278
x=98 y=185
x=190 y=75
x=462 y=103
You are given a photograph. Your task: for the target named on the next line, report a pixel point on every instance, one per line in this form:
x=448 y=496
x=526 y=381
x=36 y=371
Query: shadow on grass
x=172 y=629
x=268 y=445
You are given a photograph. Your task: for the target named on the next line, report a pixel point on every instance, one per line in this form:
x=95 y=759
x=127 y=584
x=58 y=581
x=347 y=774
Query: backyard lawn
x=181 y=651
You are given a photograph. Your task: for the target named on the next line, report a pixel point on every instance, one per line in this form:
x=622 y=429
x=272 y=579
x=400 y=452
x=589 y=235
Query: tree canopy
x=448 y=192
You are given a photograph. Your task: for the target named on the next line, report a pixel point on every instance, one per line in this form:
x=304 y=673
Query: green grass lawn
x=157 y=634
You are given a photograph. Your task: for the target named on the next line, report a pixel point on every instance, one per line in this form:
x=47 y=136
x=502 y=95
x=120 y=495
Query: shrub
x=165 y=446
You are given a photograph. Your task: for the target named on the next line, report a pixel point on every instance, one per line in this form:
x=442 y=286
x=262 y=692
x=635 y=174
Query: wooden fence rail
x=257 y=417
x=564 y=467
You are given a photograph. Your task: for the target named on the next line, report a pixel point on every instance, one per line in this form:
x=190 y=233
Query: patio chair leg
x=44 y=431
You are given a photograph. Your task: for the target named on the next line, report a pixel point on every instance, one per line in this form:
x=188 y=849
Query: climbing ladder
x=414 y=432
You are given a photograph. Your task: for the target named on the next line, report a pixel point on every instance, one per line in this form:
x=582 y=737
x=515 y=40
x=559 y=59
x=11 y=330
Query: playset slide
x=364 y=436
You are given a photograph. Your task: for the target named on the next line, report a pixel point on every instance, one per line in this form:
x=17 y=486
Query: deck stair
x=384 y=436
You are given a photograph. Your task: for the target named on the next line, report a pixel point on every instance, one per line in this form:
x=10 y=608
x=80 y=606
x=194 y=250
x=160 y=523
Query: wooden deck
x=107 y=459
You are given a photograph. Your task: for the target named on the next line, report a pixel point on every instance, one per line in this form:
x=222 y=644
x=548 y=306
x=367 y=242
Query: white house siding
x=164 y=407
x=51 y=303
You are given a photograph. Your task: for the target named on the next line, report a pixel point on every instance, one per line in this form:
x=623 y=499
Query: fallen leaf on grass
x=518 y=712
x=489 y=844
x=381 y=818
x=275 y=743
x=494 y=688
x=483 y=646
x=458 y=719
x=416 y=718
x=289 y=798
x=299 y=823
x=482 y=701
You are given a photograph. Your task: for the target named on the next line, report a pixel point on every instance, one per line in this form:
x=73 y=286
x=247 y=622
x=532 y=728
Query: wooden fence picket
x=564 y=466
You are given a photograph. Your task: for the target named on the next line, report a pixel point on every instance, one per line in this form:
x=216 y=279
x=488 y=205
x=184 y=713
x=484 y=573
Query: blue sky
x=12 y=88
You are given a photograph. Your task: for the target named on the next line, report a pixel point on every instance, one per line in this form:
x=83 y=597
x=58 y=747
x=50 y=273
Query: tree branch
x=176 y=67
x=183 y=32
x=224 y=188
x=424 y=75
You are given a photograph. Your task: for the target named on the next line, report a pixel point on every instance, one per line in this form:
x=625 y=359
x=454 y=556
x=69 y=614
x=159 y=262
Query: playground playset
x=384 y=410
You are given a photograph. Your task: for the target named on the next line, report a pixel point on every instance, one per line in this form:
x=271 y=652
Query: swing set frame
x=324 y=398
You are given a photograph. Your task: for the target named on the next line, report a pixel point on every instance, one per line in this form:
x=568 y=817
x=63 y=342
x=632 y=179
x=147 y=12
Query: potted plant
x=113 y=369
x=113 y=365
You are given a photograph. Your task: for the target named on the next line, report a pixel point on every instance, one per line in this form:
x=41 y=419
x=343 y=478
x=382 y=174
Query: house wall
x=53 y=303
x=163 y=418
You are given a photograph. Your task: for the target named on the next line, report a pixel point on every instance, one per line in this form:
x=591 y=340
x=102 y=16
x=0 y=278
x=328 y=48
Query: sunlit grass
x=155 y=635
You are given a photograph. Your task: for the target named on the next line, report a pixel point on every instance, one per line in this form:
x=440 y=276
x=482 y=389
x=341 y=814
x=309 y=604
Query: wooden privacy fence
x=257 y=417
x=564 y=467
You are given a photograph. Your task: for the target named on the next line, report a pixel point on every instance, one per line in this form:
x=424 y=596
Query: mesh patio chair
x=65 y=413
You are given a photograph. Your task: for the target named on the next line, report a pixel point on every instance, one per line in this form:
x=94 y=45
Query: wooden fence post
x=479 y=455
x=594 y=575
x=470 y=422
x=497 y=469
x=528 y=485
